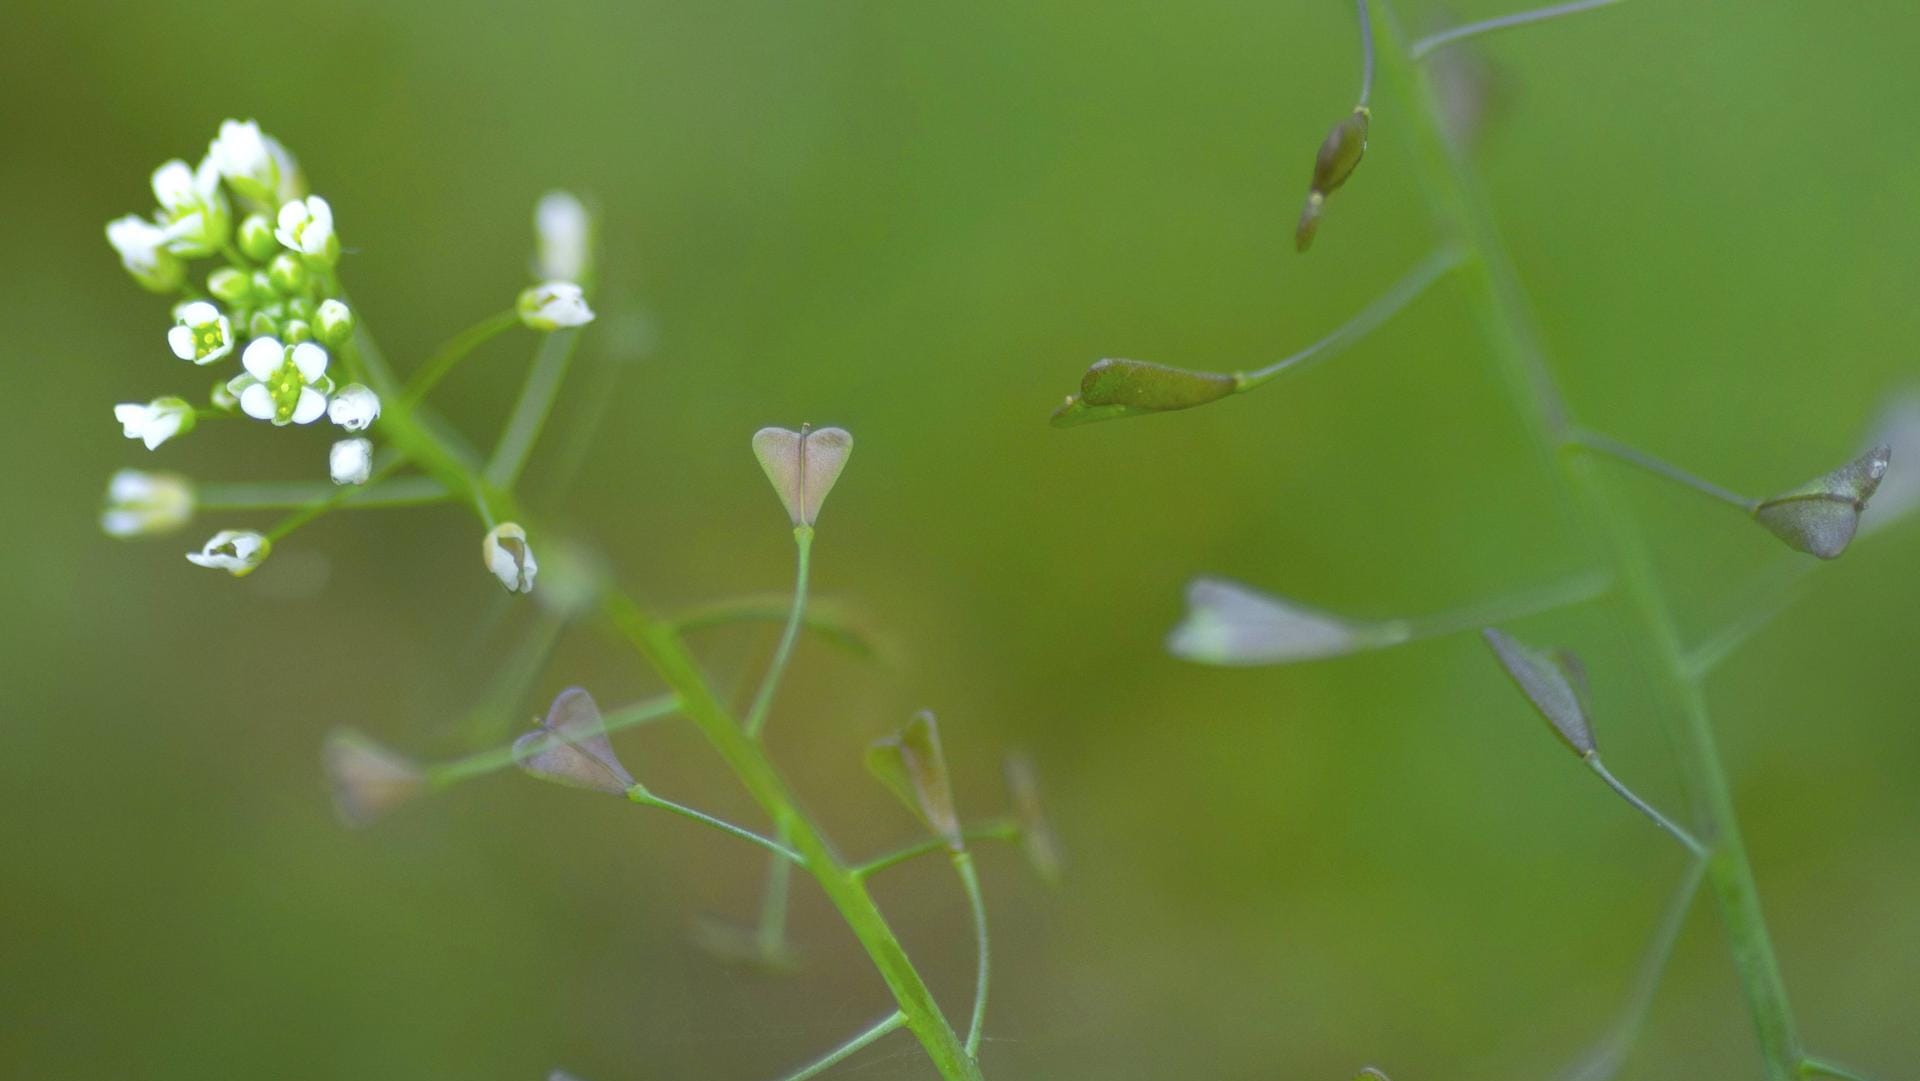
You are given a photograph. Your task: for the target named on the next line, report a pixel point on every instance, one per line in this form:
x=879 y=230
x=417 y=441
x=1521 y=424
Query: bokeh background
x=921 y=222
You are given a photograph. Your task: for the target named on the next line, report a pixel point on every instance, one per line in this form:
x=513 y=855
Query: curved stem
x=454 y=351
x=846 y=1050
x=537 y=395
x=970 y=881
x=1645 y=808
x=1447 y=37
x=1366 y=52
x=769 y=683
x=638 y=794
x=1005 y=829
x=1384 y=307
x=1501 y=307
x=1640 y=459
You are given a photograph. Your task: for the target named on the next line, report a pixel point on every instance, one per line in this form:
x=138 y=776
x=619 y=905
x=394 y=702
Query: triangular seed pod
x=1821 y=516
x=571 y=747
x=1231 y=624
x=1555 y=682
x=911 y=764
x=802 y=466
x=368 y=780
x=1115 y=388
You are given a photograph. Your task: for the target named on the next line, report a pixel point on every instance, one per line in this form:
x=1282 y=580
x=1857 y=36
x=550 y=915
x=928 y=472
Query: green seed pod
x=1123 y=388
x=1821 y=516
x=1340 y=152
x=911 y=765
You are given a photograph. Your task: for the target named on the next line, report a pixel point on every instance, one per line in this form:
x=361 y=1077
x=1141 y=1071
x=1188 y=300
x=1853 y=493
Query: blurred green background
x=921 y=222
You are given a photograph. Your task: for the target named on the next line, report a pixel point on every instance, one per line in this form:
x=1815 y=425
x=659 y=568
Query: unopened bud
x=1555 y=682
x=1821 y=516
x=802 y=466
x=230 y=285
x=1115 y=388
x=335 y=323
x=1230 y=624
x=911 y=765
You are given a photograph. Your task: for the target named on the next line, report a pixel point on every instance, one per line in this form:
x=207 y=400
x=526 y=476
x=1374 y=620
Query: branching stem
x=640 y=795
x=847 y=1050
x=1428 y=44
x=1687 y=839
x=970 y=882
x=454 y=351
x=1005 y=829
x=1384 y=307
x=1659 y=467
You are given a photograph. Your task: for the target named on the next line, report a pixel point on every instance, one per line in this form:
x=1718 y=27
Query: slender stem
x=537 y=395
x=1603 y=1059
x=1501 y=307
x=1388 y=304
x=772 y=936
x=1692 y=845
x=315 y=508
x=494 y=759
x=821 y=617
x=641 y=796
x=1005 y=829
x=769 y=683
x=1514 y=606
x=1760 y=603
x=1640 y=459
x=454 y=351
x=970 y=881
x=1815 y=1067
x=289 y=495
x=846 y=1050
x=1447 y=37
x=1366 y=52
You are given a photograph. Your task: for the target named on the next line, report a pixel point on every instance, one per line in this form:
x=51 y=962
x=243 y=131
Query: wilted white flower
x=350 y=461
x=241 y=154
x=193 y=208
x=142 y=248
x=155 y=422
x=563 y=237
x=509 y=558
x=552 y=305
x=236 y=551
x=355 y=408
x=201 y=334
x=285 y=384
x=306 y=226
x=141 y=503
x=1230 y=624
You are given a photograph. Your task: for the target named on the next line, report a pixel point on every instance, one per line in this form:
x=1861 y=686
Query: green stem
x=1500 y=305
x=494 y=759
x=1420 y=49
x=314 y=508
x=644 y=798
x=772 y=934
x=1645 y=808
x=1514 y=606
x=1603 y=1059
x=1641 y=460
x=289 y=495
x=1759 y=604
x=1005 y=829
x=1814 y=1067
x=970 y=881
x=454 y=351
x=846 y=1050
x=769 y=683
x=537 y=395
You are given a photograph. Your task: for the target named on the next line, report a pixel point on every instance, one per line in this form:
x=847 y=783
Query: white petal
x=263 y=357
x=257 y=402
x=173 y=184
x=164 y=425
x=180 y=340
x=320 y=212
x=120 y=523
x=132 y=417
x=311 y=359
x=197 y=313
x=129 y=485
x=312 y=406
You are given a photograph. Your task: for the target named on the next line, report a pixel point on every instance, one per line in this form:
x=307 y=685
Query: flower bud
x=354 y=408
x=1230 y=624
x=802 y=466
x=1115 y=388
x=288 y=275
x=552 y=305
x=350 y=461
x=571 y=747
x=335 y=323
x=201 y=333
x=1821 y=516
x=367 y=779
x=193 y=209
x=263 y=324
x=236 y=551
x=223 y=398
x=241 y=155
x=1037 y=838
x=230 y=285
x=563 y=238
x=141 y=504
x=911 y=764
x=508 y=556
x=305 y=226
x=1555 y=682
x=142 y=249
x=1339 y=154
x=295 y=331
x=256 y=238
x=155 y=422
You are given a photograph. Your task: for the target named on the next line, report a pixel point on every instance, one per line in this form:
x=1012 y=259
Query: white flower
x=563 y=237
x=509 y=558
x=142 y=248
x=236 y=551
x=350 y=461
x=306 y=226
x=155 y=422
x=551 y=305
x=285 y=384
x=241 y=155
x=202 y=334
x=141 y=503
x=193 y=208
x=355 y=408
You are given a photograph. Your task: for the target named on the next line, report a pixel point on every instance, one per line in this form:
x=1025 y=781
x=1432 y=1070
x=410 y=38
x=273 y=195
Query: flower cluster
x=269 y=304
